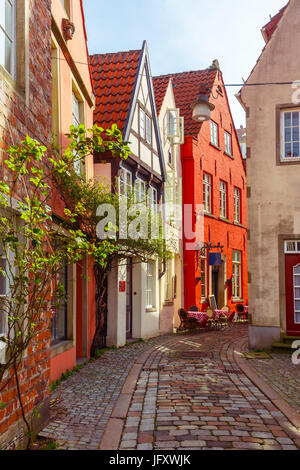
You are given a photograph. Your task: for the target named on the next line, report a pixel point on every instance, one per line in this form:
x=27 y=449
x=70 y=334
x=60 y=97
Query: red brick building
x=213 y=174
x=25 y=104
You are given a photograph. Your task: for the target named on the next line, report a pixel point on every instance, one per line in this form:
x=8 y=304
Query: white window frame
x=203 y=263
x=295 y=248
x=148 y=129
x=140 y=191
x=150 y=285
x=228 y=143
x=11 y=38
x=76 y=121
x=236 y=274
x=237 y=205
x=207 y=185
x=283 y=141
x=142 y=123
x=214 y=133
x=125 y=177
x=153 y=199
x=223 y=199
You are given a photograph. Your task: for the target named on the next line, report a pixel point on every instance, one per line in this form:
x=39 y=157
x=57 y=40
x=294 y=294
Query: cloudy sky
x=184 y=35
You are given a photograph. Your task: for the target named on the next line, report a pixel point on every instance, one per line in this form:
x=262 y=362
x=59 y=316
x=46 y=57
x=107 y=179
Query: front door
x=129 y=298
x=292 y=293
x=215 y=283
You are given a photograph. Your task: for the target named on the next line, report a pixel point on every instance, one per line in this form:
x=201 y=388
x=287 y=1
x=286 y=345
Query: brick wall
x=27 y=110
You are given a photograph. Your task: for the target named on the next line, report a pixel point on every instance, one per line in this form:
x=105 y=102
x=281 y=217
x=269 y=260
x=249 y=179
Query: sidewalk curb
x=290 y=413
x=112 y=435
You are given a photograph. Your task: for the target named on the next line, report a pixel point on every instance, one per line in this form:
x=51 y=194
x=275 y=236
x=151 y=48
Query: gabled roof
x=117 y=79
x=269 y=28
x=114 y=77
x=187 y=86
x=160 y=85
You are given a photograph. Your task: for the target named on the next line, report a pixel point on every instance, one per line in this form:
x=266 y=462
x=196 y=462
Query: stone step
x=281 y=345
x=290 y=339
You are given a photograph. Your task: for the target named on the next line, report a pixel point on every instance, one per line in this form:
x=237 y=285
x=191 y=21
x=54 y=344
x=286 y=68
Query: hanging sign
x=215 y=259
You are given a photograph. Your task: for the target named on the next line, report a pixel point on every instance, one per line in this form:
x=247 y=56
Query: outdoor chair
x=211 y=322
x=193 y=309
x=223 y=319
x=187 y=322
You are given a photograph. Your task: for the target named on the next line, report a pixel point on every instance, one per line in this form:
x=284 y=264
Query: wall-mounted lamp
x=202 y=108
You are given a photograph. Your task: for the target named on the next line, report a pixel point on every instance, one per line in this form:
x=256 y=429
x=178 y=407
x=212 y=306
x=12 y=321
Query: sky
x=185 y=35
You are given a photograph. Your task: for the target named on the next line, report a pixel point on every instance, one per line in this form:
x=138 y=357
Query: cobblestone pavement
x=192 y=395
x=87 y=398
x=281 y=374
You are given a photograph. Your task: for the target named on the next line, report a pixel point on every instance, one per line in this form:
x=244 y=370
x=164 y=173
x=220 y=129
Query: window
x=140 y=190
x=236 y=274
x=76 y=122
x=60 y=308
x=223 y=199
x=214 y=133
x=228 y=148
x=207 y=193
x=3 y=292
x=290 y=135
x=142 y=123
x=237 y=205
x=203 y=279
x=148 y=129
x=125 y=182
x=150 y=291
x=8 y=36
x=292 y=247
x=145 y=126
x=152 y=195
x=173 y=118
x=170 y=158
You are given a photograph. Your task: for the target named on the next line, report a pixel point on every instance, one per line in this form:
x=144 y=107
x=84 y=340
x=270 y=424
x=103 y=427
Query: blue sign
x=215 y=259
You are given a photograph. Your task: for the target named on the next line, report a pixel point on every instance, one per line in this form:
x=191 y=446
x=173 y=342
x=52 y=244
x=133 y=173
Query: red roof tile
x=160 y=85
x=187 y=87
x=114 y=77
x=270 y=27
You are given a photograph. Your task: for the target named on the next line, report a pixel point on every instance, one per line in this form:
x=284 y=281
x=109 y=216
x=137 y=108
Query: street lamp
x=202 y=108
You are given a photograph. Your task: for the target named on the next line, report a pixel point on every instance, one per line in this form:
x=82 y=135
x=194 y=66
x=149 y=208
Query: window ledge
x=204 y=301
x=215 y=146
x=223 y=219
x=229 y=155
x=238 y=224
x=237 y=301
x=60 y=348
x=207 y=214
x=151 y=309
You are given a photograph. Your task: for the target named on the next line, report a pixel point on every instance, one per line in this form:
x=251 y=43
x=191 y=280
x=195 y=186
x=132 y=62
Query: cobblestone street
x=176 y=392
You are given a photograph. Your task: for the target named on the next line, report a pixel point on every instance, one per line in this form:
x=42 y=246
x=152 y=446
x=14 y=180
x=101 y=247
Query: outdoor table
x=218 y=313
x=201 y=317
